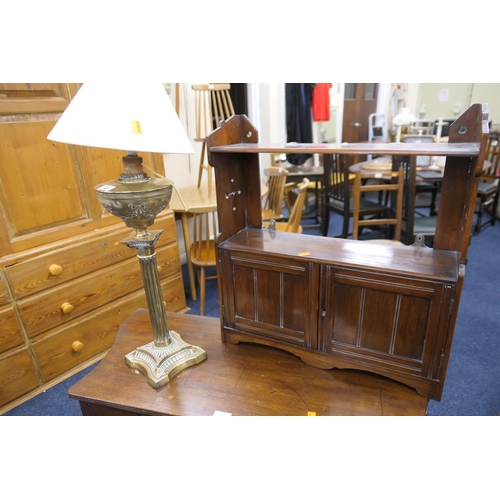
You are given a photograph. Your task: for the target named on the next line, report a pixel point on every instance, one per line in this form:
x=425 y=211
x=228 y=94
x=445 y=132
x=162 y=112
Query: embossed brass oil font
x=136 y=198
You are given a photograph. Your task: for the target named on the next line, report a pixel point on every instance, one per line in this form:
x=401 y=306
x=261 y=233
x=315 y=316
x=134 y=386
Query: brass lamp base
x=160 y=364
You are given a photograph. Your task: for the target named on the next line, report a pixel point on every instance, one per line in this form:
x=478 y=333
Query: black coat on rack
x=298 y=97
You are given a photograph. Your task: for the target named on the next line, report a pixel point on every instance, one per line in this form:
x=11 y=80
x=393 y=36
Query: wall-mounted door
x=360 y=100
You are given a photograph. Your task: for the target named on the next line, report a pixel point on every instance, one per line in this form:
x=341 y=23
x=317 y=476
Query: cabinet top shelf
x=390 y=148
x=422 y=262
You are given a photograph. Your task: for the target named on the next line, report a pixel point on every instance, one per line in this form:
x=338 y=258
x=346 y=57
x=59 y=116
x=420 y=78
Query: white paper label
x=106 y=188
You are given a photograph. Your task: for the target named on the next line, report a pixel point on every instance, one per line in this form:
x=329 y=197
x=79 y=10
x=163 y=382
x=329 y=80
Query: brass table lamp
x=135 y=117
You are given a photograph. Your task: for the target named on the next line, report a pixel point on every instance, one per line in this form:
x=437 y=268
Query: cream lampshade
x=135 y=117
x=126 y=116
x=404 y=117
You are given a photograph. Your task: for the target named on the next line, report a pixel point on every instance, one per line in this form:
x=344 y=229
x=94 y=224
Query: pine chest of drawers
x=61 y=305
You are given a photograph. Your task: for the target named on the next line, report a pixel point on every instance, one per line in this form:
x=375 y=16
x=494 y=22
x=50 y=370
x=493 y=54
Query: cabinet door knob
x=55 y=270
x=66 y=308
x=77 y=346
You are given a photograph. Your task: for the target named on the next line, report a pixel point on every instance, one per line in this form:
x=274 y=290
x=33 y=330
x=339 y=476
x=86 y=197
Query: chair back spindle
x=202 y=251
x=273 y=203
x=212 y=104
x=393 y=214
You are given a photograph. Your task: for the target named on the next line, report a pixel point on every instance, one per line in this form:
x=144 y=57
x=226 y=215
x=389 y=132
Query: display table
x=315 y=174
x=246 y=379
x=186 y=201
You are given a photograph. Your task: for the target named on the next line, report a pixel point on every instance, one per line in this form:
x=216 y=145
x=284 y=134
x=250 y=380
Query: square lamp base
x=160 y=364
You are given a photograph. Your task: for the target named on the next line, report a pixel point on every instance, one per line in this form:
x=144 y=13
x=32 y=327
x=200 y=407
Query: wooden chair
x=489 y=184
x=421 y=127
x=293 y=223
x=377 y=129
x=202 y=250
x=423 y=187
x=413 y=223
x=338 y=193
x=212 y=104
x=392 y=215
x=273 y=203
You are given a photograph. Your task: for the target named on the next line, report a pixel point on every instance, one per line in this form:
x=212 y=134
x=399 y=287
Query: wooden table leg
x=187 y=245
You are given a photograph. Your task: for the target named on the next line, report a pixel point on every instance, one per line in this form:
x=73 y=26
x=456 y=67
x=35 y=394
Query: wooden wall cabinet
x=340 y=303
x=66 y=281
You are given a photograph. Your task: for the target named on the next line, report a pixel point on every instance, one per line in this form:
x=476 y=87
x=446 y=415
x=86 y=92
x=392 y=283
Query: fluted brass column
x=137 y=199
x=168 y=354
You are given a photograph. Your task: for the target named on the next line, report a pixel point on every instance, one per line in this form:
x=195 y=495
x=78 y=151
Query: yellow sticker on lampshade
x=136 y=127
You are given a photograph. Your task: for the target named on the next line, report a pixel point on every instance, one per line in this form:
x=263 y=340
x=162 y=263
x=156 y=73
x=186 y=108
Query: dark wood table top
x=313 y=173
x=382 y=166
x=243 y=379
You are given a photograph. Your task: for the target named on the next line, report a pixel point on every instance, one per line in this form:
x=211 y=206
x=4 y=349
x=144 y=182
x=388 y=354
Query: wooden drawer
x=56 y=352
x=67 y=302
x=4 y=298
x=10 y=332
x=79 y=259
x=17 y=376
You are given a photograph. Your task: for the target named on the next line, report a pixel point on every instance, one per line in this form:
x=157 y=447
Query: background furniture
x=239 y=380
x=273 y=203
x=395 y=209
x=66 y=281
x=422 y=186
x=377 y=129
x=489 y=186
x=292 y=225
x=202 y=251
x=338 y=193
x=336 y=302
x=421 y=127
x=316 y=175
x=212 y=104
x=413 y=222
x=186 y=201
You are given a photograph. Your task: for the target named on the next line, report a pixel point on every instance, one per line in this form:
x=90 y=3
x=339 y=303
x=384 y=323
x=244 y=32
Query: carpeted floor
x=472 y=382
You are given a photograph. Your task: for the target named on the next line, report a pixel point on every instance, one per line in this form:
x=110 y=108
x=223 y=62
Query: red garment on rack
x=321 y=102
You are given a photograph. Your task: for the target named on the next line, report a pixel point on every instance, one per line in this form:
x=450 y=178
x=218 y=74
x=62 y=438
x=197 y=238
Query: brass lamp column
x=137 y=199
x=135 y=117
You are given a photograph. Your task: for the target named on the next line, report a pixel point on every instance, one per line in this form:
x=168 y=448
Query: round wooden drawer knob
x=77 y=346
x=66 y=308
x=159 y=268
x=55 y=270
